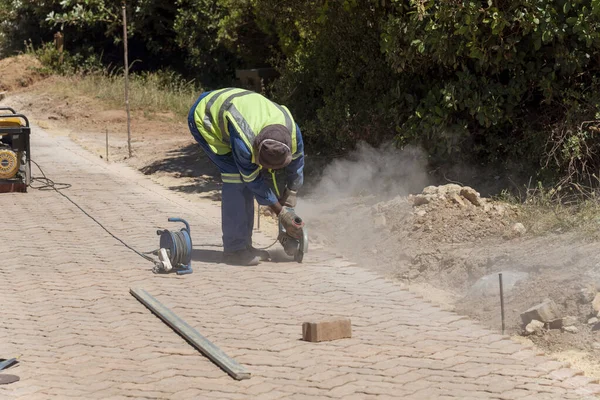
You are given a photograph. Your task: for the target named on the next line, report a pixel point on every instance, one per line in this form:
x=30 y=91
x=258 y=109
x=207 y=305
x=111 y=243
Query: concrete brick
x=544 y=312
x=326 y=330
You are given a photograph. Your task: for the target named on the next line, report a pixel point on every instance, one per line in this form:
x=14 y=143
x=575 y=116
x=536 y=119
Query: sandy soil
x=448 y=243
x=19 y=72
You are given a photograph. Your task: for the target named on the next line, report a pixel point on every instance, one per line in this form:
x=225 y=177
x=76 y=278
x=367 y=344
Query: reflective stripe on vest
x=215 y=110
x=231 y=178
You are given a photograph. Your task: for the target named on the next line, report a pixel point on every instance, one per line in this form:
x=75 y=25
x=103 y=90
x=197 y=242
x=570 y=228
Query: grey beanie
x=273 y=147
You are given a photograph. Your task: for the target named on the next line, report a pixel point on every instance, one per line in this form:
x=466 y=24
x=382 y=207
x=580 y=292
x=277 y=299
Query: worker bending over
x=256 y=145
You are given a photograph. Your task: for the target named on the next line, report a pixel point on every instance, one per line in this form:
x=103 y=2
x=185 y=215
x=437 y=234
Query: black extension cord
x=46 y=183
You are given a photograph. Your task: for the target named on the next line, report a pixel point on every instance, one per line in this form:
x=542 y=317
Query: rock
x=587 y=295
x=471 y=195
x=449 y=189
x=430 y=190
x=420 y=200
x=569 y=321
x=592 y=321
x=457 y=200
x=556 y=324
x=519 y=229
x=570 y=329
x=533 y=327
x=596 y=303
x=421 y=213
x=441 y=191
x=596 y=346
x=545 y=312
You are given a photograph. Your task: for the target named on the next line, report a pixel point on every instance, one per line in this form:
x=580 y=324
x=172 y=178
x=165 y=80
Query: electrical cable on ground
x=268 y=247
x=48 y=184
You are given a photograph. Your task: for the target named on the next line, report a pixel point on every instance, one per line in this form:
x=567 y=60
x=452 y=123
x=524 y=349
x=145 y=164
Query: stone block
x=327 y=330
x=545 y=312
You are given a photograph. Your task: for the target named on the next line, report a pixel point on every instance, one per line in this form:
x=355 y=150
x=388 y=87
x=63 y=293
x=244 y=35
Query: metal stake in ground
x=207 y=348
x=126 y=80
x=501 y=301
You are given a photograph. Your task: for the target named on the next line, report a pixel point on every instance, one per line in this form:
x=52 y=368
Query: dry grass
x=559 y=210
x=150 y=93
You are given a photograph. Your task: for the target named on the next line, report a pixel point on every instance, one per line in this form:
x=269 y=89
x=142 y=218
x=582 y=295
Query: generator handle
x=9 y=109
x=187 y=226
x=24 y=118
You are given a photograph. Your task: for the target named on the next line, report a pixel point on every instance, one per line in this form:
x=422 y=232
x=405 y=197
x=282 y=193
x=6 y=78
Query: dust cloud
x=381 y=173
x=338 y=210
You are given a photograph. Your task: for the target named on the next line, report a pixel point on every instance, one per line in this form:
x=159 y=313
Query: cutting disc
x=6 y=379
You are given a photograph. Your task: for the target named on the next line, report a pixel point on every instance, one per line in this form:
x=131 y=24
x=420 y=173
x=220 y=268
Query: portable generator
x=15 y=154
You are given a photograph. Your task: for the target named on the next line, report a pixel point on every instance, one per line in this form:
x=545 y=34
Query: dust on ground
x=449 y=244
x=446 y=242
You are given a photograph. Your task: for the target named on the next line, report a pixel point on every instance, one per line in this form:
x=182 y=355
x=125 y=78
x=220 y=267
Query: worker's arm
x=295 y=171
x=251 y=176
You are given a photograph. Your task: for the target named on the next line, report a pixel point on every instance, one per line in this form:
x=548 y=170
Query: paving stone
x=66 y=308
x=322 y=331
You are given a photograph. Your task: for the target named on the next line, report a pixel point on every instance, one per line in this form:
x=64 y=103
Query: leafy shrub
x=64 y=62
x=488 y=81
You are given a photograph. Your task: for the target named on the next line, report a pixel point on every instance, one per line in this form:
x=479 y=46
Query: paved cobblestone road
x=65 y=306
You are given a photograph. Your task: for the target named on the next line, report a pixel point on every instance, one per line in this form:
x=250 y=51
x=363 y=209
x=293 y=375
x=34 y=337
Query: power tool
x=291 y=245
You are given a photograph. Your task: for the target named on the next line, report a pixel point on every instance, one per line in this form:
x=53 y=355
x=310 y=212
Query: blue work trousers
x=237 y=200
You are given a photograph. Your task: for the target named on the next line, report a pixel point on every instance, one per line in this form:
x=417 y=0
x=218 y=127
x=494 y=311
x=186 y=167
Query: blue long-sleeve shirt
x=250 y=171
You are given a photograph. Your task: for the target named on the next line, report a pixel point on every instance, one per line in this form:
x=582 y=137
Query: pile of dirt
x=18 y=72
x=423 y=238
x=457 y=214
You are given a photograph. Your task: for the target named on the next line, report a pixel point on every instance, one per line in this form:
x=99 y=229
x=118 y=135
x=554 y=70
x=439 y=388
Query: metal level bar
x=7 y=363
x=205 y=346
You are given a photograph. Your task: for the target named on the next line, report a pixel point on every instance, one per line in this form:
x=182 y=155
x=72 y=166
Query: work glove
x=289 y=198
x=292 y=223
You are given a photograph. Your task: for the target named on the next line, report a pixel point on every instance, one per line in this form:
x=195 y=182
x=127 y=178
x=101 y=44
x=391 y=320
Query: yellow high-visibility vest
x=249 y=112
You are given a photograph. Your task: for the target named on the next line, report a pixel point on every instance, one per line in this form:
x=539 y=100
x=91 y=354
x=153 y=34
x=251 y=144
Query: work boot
x=263 y=255
x=245 y=258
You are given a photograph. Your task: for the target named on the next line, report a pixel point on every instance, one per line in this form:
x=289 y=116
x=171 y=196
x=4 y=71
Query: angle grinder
x=293 y=246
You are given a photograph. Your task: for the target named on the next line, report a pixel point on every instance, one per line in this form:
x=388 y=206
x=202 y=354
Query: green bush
x=64 y=63
x=498 y=80
x=479 y=82
x=469 y=81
